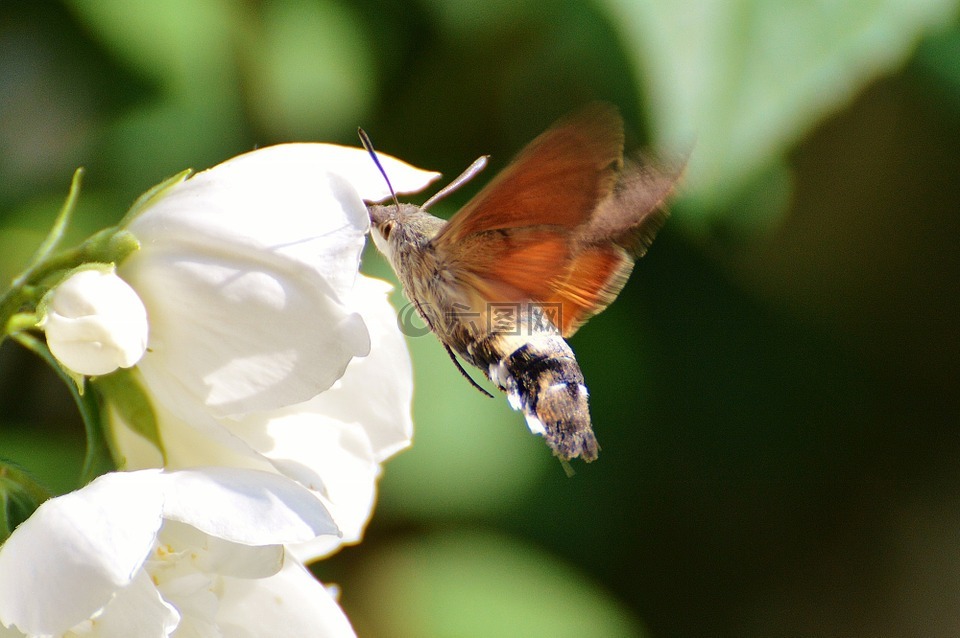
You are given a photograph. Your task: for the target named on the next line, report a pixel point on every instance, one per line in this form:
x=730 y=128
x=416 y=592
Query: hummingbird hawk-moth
x=547 y=244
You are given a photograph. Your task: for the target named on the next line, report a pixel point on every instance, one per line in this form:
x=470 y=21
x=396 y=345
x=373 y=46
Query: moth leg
x=453 y=357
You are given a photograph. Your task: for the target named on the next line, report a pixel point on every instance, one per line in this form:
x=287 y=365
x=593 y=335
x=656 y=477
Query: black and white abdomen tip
x=543 y=380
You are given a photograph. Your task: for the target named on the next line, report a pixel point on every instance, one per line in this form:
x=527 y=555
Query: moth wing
x=558 y=179
x=551 y=229
x=512 y=265
x=619 y=232
x=634 y=212
x=592 y=280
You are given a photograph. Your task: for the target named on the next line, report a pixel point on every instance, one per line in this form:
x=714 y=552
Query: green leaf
x=743 y=80
x=123 y=391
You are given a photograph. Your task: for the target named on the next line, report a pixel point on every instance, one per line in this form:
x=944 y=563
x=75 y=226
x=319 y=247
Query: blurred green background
x=775 y=392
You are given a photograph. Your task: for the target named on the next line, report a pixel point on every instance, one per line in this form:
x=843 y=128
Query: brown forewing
x=558 y=179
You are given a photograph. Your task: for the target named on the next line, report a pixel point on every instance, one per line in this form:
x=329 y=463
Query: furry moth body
x=547 y=244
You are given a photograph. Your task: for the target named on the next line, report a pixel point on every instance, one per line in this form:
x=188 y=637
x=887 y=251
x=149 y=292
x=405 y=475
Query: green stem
x=98 y=459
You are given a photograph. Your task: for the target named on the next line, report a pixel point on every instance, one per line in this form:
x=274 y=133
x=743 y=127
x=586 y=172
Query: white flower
x=95 y=322
x=244 y=270
x=196 y=552
x=333 y=444
x=267 y=350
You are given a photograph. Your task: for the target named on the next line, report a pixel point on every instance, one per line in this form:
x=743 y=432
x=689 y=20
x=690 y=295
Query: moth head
x=398 y=225
x=405 y=226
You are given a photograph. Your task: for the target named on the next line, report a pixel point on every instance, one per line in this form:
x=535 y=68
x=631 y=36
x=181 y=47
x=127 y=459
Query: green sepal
x=52 y=240
x=20 y=495
x=153 y=195
x=124 y=393
x=22 y=321
x=22 y=291
x=110 y=245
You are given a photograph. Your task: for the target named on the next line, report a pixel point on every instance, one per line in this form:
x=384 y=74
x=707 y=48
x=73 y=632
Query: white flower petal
x=301 y=200
x=331 y=457
x=355 y=165
x=244 y=506
x=66 y=561
x=335 y=442
x=243 y=269
x=237 y=335
x=201 y=442
x=212 y=555
x=292 y=603
x=137 y=610
x=281 y=200
x=377 y=390
x=97 y=560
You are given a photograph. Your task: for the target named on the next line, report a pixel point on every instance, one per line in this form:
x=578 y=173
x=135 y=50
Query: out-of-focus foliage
x=430 y=586
x=743 y=81
x=774 y=392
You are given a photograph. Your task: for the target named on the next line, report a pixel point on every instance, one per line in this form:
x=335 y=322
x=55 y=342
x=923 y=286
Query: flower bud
x=95 y=322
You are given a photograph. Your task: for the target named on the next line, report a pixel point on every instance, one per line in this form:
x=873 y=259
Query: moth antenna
x=478 y=165
x=466 y=374
x=367 y=144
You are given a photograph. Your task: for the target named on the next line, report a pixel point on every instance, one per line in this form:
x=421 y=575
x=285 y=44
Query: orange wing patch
x=590 y=283
x=524 y=268
x=513 y=266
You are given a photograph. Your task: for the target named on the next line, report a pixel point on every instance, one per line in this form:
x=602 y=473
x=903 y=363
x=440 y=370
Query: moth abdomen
x=543 y=380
